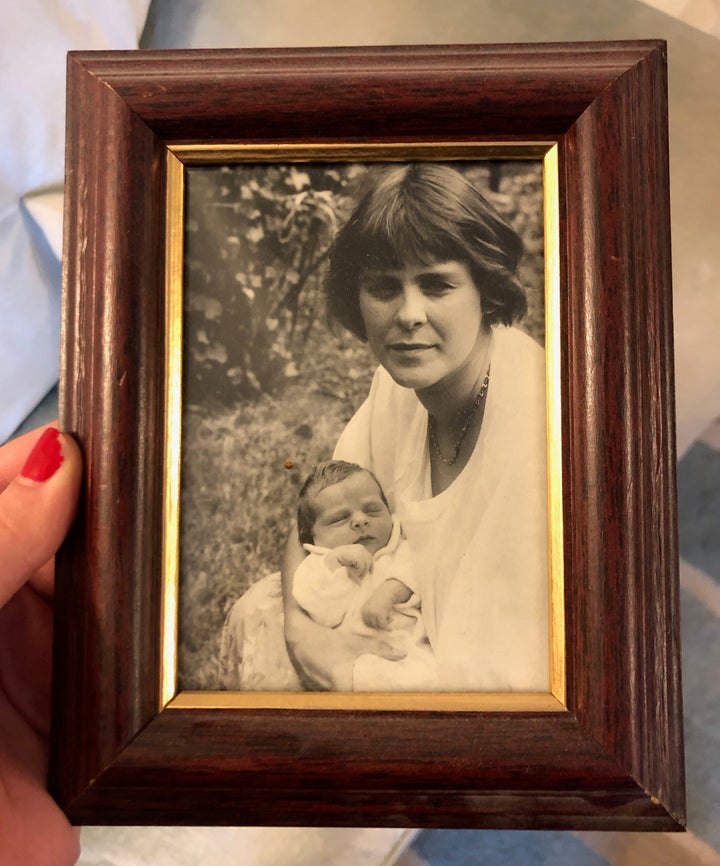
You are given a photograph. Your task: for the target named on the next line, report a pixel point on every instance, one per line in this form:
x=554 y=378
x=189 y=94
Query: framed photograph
x=369 y=353
x=270 y=387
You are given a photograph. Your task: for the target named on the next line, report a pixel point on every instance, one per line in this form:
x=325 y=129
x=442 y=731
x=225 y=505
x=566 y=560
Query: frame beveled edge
x=180 y=156
x=172 y=440
x=113 y=755
x=628 y=550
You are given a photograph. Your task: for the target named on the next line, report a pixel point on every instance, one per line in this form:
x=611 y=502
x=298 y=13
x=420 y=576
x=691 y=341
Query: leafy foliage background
x=267 y=386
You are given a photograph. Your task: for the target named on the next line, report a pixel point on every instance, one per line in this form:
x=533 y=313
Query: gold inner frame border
x=177 y=157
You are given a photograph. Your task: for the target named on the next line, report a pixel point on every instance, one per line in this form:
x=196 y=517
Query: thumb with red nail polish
x=39 y=486
x=46 y=457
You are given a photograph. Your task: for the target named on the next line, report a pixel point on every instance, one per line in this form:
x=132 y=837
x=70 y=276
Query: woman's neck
x=449 y=401
x=456 y=415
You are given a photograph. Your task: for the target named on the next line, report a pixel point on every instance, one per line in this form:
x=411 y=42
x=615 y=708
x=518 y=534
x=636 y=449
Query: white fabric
x=480 y=547
x=240 y=846
x=329 y=594
x=334 y=599
x=36 y=36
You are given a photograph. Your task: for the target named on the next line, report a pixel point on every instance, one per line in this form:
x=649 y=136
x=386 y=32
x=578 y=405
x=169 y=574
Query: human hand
x=324 y=657
x=377 y=611
x=38 y=498
x=356 y=558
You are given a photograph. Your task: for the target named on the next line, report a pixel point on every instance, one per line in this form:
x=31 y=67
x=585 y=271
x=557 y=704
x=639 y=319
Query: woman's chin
x=408 y=382
x=407 y=377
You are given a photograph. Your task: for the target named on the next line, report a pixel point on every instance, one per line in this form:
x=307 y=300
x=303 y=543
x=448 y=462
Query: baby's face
x=352 y=512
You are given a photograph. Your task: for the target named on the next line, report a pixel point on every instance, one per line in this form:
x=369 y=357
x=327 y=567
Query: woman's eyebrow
x=379 y=274
x=442 y=269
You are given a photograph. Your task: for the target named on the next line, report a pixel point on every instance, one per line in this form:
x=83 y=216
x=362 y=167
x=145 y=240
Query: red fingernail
x=45 y=458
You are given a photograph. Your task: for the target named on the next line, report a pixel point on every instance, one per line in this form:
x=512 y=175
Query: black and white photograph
x=364 y=480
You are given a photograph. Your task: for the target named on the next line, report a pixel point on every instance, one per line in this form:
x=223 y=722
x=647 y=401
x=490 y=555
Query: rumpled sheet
x=240 y=846
x=36 y=34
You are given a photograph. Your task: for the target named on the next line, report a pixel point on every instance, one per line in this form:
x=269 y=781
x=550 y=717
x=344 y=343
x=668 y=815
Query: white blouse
x=480 y=548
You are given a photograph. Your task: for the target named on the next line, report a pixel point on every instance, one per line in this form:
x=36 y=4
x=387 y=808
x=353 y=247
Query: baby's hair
x=424 y=213
x=324 y=475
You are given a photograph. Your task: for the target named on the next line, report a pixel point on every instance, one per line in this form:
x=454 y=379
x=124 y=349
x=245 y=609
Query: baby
x=358 y=575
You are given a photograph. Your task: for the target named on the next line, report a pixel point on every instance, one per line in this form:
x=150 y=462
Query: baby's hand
x=356 y=558
x=377 y=611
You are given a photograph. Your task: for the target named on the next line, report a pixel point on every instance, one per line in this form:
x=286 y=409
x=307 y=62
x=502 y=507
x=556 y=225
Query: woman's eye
x=380 y=287
x=436 y=286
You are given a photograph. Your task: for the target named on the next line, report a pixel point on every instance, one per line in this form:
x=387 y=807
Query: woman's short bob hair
x=424 y=213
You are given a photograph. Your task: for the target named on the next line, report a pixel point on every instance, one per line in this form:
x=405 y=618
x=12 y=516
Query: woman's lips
x=410 y=347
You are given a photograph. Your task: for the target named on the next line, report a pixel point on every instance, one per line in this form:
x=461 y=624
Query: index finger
x=377 y=647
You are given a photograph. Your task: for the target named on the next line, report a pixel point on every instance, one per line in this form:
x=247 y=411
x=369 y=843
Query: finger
x=37 y=508
x=26 y=626
x=32 y=827
x=384 y=650
x=381 y=648
x=14 y=453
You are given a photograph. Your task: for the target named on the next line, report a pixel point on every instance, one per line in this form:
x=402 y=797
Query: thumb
x=37 y=508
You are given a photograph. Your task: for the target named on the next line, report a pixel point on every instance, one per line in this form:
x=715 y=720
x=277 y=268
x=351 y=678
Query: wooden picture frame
x=609 y=754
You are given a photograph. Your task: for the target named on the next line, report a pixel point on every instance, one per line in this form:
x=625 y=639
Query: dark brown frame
x=613 y=758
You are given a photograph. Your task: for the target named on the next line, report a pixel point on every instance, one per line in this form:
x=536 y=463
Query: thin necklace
x=469 y=415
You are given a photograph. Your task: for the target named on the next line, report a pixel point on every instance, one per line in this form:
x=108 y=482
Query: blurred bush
x=256 y=241
x=256 y=246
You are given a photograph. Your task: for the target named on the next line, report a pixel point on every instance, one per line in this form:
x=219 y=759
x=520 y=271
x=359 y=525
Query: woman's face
x=424 y=323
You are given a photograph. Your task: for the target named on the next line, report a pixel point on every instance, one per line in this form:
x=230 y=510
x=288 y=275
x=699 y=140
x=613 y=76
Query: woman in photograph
x=454 y=430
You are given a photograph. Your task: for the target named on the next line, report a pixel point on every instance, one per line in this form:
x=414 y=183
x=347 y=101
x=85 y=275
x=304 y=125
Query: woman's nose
x=411 y=311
